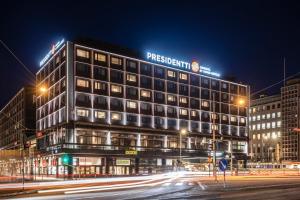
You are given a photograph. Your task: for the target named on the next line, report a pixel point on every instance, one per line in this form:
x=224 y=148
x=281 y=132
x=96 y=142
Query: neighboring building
x=265 y=129
x=290 y=97
x=111 y=111
x=16 y=116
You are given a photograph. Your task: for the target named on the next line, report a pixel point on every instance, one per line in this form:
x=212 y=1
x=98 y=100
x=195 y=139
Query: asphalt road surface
x=190 y=187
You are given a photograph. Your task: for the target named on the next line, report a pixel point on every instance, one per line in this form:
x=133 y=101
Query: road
x=185 y=187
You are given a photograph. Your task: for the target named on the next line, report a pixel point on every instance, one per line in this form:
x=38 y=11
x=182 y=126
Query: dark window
x=224 y=87
x=205 y=82
x=172 y=112
x=195 y=80
x=100 y=102
x=63 y=70
x=205 y=128
x=215 y=85
x=225 y=97
x=145 y=69
x=194 y=92
x=184 y=90
x=233 y=88
x=242 y=90
x=159 y=72
x=215 y=96
x=131 y=93
x=172 y=124
x=83 y=70
x=171 y=87
x=195 y=126
x=100 y=73
x=146 y=82
x=159 y=85
x=131 y=119
x=146 y=121
x=205 y=117
x=183 y=123
x=159 y=97
x=116 y=76
x=159 y=122
x=159 y=110
x=146 y=109
x=233 y=110
x=204 y=94
x=116 y=104
x=131 y=66
x=224 y=108
x=83 y=100
x=194 y=103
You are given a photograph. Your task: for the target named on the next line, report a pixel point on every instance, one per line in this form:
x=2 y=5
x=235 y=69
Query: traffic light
x=66 y=159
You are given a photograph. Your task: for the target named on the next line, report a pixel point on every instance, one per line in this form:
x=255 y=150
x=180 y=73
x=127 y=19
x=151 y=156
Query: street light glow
x=241 y=102
x=43 y=89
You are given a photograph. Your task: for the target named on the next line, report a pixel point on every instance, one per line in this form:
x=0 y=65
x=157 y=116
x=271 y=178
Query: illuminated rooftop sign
x=52 y=51
x=193 y=66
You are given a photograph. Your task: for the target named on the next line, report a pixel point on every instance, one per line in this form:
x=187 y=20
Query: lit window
x=253 y=127
x=253 y=137
x=268 y=125
x=278 y=114
x=171 y=98
x=100 y=57
x=131 y=104
x=145 y=93
x=183 y=100
x=263 y=126
x=82 y=83
x=268 y=116
x=273 y=115
x=273 y=125
x=193 y=113
x=171 y=74
x=258 y=126
x=116 y=116
x=274 y=136
x=213 y=116
x=82 y=53
x=278 y=124
x=263 y=116
x=131 y=77
x=214 y=127
x=100 y=114
x=205 y=104
x=233 y=119
x=183 y=76
x=57 y=60
x=99 y=86
x=254 y=110
x=278 y=133
x=258 y=117
x=224 y=117
x=116 y=89
x=242 y=120
x=82 y=112
x=258 y=136
x=254 y=118
x=183 y=111
x=116 y=61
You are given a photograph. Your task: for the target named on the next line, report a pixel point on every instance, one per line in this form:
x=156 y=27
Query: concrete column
x=165 y=141
x=138 y=141
x=189 y=143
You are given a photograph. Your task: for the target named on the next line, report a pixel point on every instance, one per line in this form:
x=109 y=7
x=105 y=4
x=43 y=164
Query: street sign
x=131 y=152
x=223 y=164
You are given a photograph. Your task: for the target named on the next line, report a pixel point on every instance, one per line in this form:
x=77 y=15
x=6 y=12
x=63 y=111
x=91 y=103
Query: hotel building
x=265 y=129
x=114 y=111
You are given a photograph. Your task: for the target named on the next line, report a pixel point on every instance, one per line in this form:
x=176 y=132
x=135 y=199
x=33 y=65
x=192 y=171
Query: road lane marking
x=201 y=186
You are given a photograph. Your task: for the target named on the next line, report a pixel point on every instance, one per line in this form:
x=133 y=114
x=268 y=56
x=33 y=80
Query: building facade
x=17 y=131
x=290 y=97
x=112 y=111
x=17 y=119
x=265 y=129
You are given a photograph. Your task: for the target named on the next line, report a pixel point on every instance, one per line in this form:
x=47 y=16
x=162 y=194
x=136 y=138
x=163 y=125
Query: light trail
x=150 y=179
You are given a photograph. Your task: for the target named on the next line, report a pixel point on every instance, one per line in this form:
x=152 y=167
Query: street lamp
x=181 y=133
x=42 y=89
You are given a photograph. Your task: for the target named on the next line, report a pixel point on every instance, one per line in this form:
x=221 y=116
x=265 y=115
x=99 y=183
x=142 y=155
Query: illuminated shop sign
x=193 y=66
x=52 y=51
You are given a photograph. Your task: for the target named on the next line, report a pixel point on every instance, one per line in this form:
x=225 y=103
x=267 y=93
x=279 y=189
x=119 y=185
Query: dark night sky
x=246 y=39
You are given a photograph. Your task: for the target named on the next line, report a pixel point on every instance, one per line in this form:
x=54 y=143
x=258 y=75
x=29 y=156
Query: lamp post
x=214 y=138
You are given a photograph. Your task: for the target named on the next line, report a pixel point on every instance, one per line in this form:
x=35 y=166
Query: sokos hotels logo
x=195 y=67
